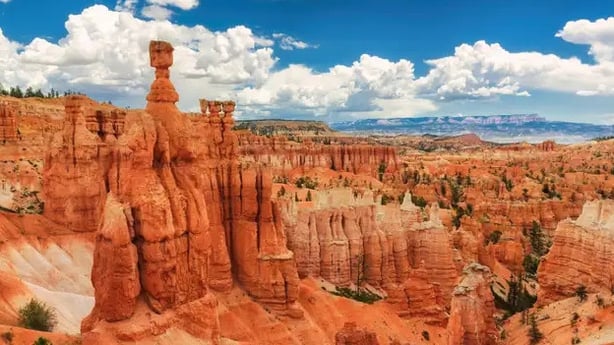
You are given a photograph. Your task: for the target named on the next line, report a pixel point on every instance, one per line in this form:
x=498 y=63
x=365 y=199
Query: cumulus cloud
x=155 y=9
x=484 y=70
x=105 y=54
x=599 y=35
x=287 y=42
x=126 y=5
x=156 y=12
x=371 y=86
x=182 y=4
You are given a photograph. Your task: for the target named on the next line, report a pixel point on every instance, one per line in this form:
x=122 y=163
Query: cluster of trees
x=306 y=182
x=539 y=247
x=17 y=92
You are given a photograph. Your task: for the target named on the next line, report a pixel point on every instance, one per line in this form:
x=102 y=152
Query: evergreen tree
x=537 y=239
x=535 y=335
x=16 y=92
x=29 y=92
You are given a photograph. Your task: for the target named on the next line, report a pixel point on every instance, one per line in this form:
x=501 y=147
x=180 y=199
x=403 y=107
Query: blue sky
x=326 y=59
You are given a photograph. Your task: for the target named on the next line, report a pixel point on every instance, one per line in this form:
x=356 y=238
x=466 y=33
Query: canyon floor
x=156 y=226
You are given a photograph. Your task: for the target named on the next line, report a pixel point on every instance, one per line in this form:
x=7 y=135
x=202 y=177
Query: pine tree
x=537 y=239
x=535 y=335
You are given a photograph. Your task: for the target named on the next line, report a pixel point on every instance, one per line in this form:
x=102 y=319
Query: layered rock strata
x=392 y=249
x=8 y=123
x=73 y=176
x=581 y=255
x=350 y=334
x=182 y=215
x=472 y=312
x=284 y=155
x=106 y=123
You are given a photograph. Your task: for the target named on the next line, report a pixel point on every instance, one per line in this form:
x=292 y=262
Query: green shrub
x=307 y=182
x=418 y=201
x=362 y=295
x=581 y=293
x=574 y=318
x=494 y=237
x=386 y=199
x=42 y=341
x=38 y=316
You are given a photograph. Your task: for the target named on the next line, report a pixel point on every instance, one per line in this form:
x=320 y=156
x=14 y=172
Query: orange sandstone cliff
x=167 y=232
x=581 y=254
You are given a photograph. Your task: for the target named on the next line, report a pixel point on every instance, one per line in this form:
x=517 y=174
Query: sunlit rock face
x=581 y=254
x=182 y=215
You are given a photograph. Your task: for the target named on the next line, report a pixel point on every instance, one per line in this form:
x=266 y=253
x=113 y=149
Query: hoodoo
x=182 y=215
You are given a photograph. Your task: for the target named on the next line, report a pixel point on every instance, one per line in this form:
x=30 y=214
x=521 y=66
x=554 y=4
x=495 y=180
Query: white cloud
x=155 y=9
x=372 y=86
x=182 y=4
x=105 y=54
x=156 y=12
x=5 y=1
x=599 y=35
x=486 y=70
x=287 y=42
x=126 y=5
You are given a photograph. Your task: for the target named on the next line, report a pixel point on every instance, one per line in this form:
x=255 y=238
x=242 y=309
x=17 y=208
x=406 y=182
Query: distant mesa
x=494 y=128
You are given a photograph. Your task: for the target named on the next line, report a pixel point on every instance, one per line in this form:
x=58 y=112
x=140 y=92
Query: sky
x=331 y=60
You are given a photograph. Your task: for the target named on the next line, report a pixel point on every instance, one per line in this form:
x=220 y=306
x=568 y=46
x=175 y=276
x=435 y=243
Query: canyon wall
x=581 y=254
x=349 y=239
x=284 y=155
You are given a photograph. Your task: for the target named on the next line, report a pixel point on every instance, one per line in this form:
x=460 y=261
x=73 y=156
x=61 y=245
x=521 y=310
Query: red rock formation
x=115 y=273
x=548 y=145
x=581 y=254
x=195 y=216
x=332 y=242
x=73 y=177
x=472 y=311
x=106 y=123
x=351 y=335
x=8 y=123
x=422 y=298
x=284 y=155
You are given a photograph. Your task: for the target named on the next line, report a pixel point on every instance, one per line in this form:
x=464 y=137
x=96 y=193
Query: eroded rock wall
x=581 y=254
